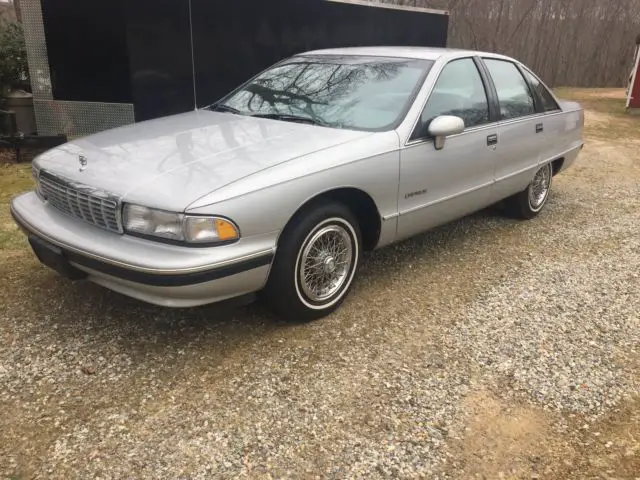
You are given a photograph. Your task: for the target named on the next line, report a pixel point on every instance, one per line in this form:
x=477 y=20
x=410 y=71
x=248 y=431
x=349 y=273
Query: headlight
x=177 y=227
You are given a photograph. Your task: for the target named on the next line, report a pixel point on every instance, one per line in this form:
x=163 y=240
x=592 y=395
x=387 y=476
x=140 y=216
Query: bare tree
x=586 y=43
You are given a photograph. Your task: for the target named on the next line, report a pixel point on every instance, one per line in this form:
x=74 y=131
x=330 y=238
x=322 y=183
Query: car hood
x=171 y=162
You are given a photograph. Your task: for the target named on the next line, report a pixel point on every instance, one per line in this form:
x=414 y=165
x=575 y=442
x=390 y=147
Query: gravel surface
x=489 y=347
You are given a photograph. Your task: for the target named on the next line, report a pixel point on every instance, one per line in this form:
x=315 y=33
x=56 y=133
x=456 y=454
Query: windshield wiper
x=287 y=117
x=221 y=107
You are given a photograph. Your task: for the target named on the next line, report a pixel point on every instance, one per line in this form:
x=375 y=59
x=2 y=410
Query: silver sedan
x=280 y=186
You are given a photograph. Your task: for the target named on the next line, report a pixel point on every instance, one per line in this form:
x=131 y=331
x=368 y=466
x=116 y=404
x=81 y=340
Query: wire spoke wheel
x=539 y=188
x=326 y=262
x=316 y=262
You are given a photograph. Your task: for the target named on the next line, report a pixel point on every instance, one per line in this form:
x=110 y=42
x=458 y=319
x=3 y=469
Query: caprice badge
x=83 y=162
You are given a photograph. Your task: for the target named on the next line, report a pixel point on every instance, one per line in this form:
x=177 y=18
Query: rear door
x=553 y=139
x=520 y=129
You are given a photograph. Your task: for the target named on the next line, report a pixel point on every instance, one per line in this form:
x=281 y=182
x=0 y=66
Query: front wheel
x=530 y=202
x=316 y=262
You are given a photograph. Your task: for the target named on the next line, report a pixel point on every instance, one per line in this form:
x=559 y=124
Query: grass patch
x=602 y=100
x=14 y=179
x=609 y=118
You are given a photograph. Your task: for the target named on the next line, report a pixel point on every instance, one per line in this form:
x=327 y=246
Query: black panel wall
x=159 y=40
x=233 y=39
x=139 y=51
x=87 y=49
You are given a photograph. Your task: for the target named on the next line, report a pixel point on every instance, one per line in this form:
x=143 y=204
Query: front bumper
x=154 y=272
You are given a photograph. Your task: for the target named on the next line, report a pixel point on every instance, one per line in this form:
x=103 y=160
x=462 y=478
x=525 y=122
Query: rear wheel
x=315 y=264
x=530 y=202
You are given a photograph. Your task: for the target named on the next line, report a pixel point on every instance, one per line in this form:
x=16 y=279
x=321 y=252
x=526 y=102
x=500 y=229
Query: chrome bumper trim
x=230 y=267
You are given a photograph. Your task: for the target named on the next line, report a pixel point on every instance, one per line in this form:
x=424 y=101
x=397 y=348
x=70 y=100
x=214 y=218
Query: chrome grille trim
x=80 y=201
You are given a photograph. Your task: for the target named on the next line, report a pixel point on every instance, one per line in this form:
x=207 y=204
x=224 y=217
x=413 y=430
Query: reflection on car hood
x=170 y=162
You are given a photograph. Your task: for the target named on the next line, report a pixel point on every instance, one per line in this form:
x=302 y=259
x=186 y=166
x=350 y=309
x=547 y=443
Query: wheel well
x=362 y=206
x=557 y=165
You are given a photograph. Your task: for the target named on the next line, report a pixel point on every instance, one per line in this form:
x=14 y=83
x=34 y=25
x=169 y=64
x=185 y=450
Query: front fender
x=265 y=202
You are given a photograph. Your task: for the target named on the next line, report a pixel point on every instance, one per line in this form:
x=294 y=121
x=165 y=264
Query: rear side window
x=514 y=95
x=459 y=91
x=548 y=101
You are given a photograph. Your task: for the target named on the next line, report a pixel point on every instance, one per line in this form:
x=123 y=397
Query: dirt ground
x=488 y=348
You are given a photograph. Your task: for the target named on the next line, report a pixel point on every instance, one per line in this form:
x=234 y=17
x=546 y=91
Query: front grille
x=81 y=201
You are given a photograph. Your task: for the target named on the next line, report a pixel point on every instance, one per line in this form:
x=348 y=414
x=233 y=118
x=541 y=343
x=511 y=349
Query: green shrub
x=14 y=72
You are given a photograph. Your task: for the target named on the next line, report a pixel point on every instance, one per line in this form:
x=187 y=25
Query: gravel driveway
x=489 y=347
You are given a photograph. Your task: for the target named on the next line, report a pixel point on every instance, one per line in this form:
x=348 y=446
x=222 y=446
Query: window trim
x=533 y=94
x=537 y=101
x=524 y=69
x=492 y=94
x=487 y=91
x=429 y=140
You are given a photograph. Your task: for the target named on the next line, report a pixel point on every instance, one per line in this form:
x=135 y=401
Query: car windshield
x=351 y=92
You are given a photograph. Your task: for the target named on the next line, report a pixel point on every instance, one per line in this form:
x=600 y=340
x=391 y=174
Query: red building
x=633 y=95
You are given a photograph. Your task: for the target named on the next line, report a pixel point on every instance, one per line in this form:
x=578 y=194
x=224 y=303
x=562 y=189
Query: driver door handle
x=492 y=140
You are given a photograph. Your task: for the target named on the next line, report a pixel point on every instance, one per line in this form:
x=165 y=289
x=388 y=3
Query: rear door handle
x=539 y=128
x=492 y=140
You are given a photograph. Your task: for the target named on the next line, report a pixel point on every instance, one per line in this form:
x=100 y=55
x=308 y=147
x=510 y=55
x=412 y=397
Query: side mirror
x=445 y=126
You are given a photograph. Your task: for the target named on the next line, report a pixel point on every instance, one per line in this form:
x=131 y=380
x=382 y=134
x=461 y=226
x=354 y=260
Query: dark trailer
x=97 y=64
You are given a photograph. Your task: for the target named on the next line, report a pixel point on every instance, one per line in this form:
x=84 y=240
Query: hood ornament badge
x=83 y=162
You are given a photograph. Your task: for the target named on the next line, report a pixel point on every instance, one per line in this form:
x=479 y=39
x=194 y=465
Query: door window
x=514 y=95
x=459 y=91
x=548 y=101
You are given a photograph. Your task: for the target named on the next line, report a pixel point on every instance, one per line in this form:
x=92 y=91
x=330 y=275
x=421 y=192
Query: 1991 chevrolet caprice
x=281 y=185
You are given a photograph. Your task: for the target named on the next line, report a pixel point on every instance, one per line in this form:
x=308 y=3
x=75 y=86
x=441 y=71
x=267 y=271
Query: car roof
x=424 y=53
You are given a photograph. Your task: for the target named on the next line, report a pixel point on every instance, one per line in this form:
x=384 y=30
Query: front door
x=437 y=186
